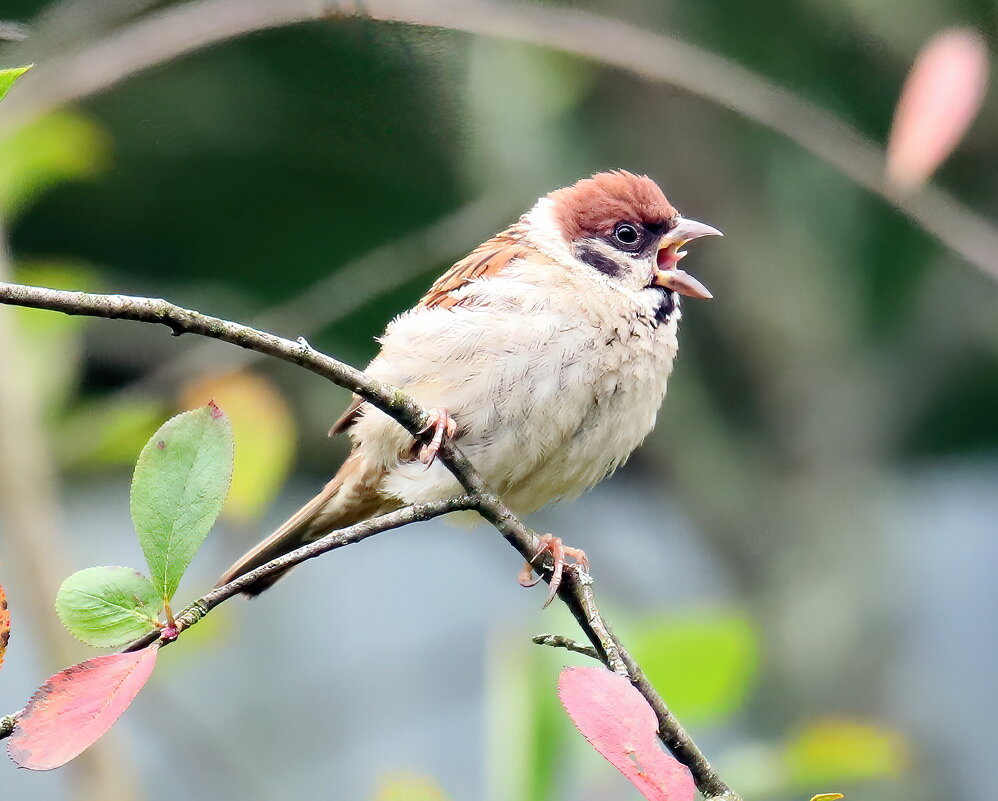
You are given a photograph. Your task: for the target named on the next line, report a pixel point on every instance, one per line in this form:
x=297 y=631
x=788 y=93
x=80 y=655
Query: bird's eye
x=625 y=233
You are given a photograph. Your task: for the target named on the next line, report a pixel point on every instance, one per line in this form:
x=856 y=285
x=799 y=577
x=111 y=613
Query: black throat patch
x=666 y=306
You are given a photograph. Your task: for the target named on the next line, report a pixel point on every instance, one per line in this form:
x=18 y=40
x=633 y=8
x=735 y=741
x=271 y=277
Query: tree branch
x=195 y=611
x=183 y=29
x=557 y=641
x=576 y=587
x=335 y=539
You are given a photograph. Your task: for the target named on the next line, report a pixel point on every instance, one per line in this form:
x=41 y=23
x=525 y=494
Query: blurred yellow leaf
x=409 y=787
x=706 y=659
x=827 y=797
x=60 y=146
x=834 y=750
x=264 y=432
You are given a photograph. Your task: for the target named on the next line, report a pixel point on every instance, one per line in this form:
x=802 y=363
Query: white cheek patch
x=545 y=234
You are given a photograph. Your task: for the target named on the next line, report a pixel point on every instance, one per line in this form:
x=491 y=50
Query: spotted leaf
x=76 y=707
x=617 y=721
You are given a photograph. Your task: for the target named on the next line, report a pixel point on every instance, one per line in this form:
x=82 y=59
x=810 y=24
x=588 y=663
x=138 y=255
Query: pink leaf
x=77 y=706
x=940 y=98
x=617 y=722
x=4 y=624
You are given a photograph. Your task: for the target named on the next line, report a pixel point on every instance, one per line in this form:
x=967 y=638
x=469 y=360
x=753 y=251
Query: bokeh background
x=803 y=553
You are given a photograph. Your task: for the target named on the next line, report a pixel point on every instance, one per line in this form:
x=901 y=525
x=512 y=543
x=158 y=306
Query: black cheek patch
x=598 y=261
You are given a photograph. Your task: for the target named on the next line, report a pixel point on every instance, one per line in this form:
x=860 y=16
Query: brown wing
x=487 y=259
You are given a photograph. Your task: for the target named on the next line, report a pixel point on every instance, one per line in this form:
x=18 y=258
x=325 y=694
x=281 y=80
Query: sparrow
x=544 y=355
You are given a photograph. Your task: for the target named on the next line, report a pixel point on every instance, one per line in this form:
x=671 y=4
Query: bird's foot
x=442 y=425
x=559 y=552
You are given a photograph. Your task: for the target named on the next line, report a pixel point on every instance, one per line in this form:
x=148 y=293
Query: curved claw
x=442 y=425
x=559 y=551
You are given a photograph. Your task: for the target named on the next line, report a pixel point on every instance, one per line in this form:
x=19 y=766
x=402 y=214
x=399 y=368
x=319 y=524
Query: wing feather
x=488 y=259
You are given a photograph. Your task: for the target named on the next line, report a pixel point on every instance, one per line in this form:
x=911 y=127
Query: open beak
x=668 y=275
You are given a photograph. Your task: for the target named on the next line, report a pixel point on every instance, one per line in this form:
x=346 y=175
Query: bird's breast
x=551 y=392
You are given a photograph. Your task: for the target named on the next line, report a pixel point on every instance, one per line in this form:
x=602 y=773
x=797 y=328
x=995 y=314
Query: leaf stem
x=171 y=622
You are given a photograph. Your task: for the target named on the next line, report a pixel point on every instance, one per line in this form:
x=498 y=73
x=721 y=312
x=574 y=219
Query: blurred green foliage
x=59 y=147
x=704 y=661
x=844 y=349
x=708 y=657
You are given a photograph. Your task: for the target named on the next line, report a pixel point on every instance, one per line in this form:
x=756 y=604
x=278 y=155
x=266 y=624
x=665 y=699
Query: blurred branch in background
x=13 y=32
x=345 y=290
x=188 y=28
x=575 y=588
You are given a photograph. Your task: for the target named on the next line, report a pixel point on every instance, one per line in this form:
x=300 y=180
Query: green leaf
x=180 y=483
x=7 y=78
x=708 y=660
x=263 y=426
x=108 y=606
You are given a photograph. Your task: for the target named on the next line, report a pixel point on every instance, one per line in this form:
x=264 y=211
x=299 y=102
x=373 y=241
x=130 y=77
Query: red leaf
x=617 y=722
x=941 y=97
x=4 y=625
x=76 y=707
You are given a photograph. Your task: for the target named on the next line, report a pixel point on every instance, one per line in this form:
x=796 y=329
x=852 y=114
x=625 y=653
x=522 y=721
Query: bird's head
x=623 y=226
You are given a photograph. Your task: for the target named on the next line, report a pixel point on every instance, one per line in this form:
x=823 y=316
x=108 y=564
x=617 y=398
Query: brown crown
x=594 y=205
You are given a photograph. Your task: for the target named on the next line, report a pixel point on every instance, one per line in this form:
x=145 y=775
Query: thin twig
x=558 y=641
x=196 y=611
x=7 y=724
x=576 y=587
x=184 y=29
x=416 y=513
x=338 y=539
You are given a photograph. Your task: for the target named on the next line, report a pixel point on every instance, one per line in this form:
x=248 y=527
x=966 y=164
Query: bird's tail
x=350 y=496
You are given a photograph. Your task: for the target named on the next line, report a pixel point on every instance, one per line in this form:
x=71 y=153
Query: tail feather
x=350 y=496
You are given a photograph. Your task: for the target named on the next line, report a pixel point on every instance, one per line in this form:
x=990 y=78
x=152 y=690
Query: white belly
x=548 y=400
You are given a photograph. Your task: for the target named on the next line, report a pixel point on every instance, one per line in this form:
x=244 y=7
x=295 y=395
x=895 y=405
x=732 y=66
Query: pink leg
x=442 y=425
x=559 y=551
